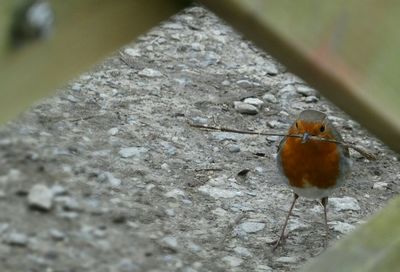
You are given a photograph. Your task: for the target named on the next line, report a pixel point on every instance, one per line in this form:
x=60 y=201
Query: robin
x=312 y=168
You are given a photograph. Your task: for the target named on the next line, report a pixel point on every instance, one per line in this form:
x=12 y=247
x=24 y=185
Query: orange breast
x=310 y=164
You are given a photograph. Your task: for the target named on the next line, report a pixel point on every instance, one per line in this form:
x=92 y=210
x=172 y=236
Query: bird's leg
x=324 y=202
x=281 y=238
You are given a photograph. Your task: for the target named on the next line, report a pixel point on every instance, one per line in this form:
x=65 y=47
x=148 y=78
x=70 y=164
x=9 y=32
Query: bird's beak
x=305 y=138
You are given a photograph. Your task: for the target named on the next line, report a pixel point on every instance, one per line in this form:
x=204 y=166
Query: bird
x=312 y=162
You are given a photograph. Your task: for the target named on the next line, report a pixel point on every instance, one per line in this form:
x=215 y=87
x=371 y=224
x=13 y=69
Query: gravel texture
x=107 y=175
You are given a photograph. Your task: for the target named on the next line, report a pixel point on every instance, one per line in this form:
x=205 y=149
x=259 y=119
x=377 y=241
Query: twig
x=230 y=228
x=357 y=148
x=208 y=169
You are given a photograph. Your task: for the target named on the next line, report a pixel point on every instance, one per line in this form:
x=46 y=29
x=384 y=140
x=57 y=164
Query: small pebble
x=270 y=98
x=242 y=251
x=58 y=190
x=254 y=101
x=305 y=90
x=226 y=136
x=17 y=239
x=200 y=120
x=68 y=203
x=234 y=148
x=311 y=99
x=287 y=260
x=76 y=87
x=263 y=268
x=151 y=73
x=173 y=26
x=113 y=131
x=57 y=235
x=232 y=261
x=109 y=178
x=245 y=108
x=175 y=193
x=133 y=52
x=277 y=124
x=344 y=203
x=40 y=197
x=251 y=227
x=3 y=227
x=219 y=193
x=127 y=265
x=380 y=185
x=342 y=227
x=244 y=83
x=129 y=152
x=170 y=242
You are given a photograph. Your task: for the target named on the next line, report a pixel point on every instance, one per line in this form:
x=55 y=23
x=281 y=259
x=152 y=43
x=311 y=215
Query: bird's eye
x=322 y=128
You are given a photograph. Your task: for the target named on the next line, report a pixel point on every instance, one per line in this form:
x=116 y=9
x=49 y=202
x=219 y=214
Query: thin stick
x=230 y=227
x=358 y=149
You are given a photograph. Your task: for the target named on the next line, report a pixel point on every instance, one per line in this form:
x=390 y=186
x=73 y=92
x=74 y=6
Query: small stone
x=218 y=193
x=270 y=98
x=270 y=68
x=109 y=178
x=3 y=227
x=295 y=224
x=193 y=247
x=68 y=215
x=226 y=136
x=234 y=148
x=148 y=72
x=287 y=260
x=113 y=131
x=277 y=124
x=173 y=26
x=210 y=58
x=72 y=99
x=342 y=227
x=133 y=52
x=68 y=203
x=226 y=83
x=129 y=152
x=245 y=108
x=17 y=239
x=251 y=227
x=99 y=233
x=254 y=101
x=244 y=83
x=170 y=212
x=242 y=251
x=58 y=190
x=76 y=87
x=57 y=235
x=232 y=261
x=40 y=197
x=12 y=175
x=344 y=203
x=305 y=90
x=380 y=185
x=287 y=92
x=197 y=46
x=311 y=99
x=175 y=193
x=170 y=242
x=273 y=139
x=263 y=268
x=127 y=265
x=200 y=120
